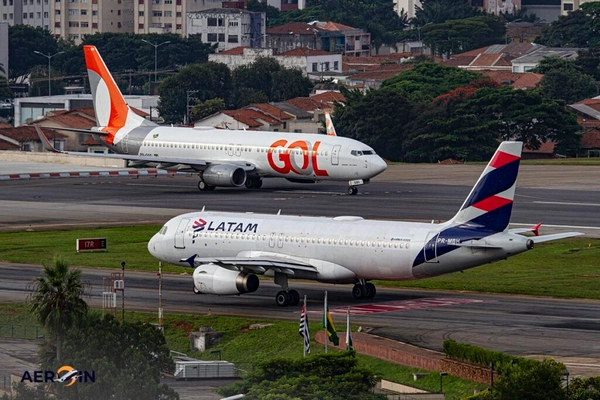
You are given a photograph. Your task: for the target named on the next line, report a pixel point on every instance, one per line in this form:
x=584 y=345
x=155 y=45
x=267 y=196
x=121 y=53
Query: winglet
x=191 y=259
x=329 y=128
x=45 y=142
x=536 y=229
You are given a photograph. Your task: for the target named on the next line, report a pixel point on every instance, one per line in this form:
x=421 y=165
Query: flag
x=304 y=332
x=349 y=344
x=328 y=324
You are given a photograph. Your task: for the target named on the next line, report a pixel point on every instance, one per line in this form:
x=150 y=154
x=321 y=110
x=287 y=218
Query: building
x=338 y=38
x=489 y=6
x=25 y=138
x=373 y=78
x=291 y=36
x=28 y=109
x=530 y=60
x=495 y=57
x=4 y=49
x=286 y=5
x=228 y=27
x=588 y=117
x=571 y=5
x=546 y=10
x=36 y=13
x=167 y=16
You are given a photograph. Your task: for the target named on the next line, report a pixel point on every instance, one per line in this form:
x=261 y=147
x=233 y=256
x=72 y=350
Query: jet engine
x=212 y=279
x=224 y=175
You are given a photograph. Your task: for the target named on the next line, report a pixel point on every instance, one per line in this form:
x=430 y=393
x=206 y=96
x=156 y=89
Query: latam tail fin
x=329 y=128
x=489 y=205
x=112 y=112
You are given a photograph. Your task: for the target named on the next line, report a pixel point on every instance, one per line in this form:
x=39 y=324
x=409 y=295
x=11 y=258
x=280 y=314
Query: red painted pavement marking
x=402 y=305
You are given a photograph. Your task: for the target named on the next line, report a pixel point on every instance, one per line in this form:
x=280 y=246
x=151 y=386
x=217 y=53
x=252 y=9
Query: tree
x=427 y=80
x=206 y=108
x=56 y=300
x=330 y=376
x=457 y=36
x=198 y=82
x=535 y=381
x=439 y=11
x=127 y=359
x=376 y=118
x=584 y=389
x=22 y=41
x=589 y=61
x=564 y=80
x=575 y=29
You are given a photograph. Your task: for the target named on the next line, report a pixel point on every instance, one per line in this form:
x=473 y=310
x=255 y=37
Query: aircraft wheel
x=294 y=297
x=359 y=292
x=371 y=290
x=282 y=299
x=249 y=183
x=253 y=183
x=202 y=186
x=258 y=183
x=196 y=290
x=352 y=190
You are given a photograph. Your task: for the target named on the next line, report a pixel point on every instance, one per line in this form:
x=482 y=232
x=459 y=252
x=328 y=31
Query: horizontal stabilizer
x=556 y=236
x=85 y=131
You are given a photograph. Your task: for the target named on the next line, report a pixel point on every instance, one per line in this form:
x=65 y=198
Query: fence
x=16 y=331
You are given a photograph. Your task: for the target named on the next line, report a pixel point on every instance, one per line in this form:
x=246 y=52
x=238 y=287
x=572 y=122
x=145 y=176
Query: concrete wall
x=52 y=158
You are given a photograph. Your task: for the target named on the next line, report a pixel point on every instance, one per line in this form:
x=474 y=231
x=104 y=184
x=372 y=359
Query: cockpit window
x=163 y=230
x=359 y=153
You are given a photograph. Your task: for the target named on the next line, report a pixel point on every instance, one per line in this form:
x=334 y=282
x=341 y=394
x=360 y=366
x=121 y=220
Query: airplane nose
x=152 y=245
x=378 y=165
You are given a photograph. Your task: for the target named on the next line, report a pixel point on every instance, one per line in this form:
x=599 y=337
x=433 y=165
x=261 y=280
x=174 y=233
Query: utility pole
x=156 y=46
x=160 y=308
x=49 y=57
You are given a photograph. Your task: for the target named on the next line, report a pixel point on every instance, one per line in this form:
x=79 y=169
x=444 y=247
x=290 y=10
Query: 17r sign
x=90 y=244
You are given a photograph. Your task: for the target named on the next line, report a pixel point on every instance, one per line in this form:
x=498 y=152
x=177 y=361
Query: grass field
x=246 y=347
x=566 y=268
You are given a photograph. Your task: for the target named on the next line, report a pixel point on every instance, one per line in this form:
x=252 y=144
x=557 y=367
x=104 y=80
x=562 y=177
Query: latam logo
x=299 y=157
x=227 y=226
x=199 y=225
x=65 y=374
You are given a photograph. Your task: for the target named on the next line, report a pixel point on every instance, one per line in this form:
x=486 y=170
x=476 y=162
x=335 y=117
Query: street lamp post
x=49 y=57
x=442 y=375
x=156 y=46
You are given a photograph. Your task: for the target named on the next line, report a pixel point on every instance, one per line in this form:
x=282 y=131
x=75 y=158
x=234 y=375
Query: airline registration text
x=286 y=161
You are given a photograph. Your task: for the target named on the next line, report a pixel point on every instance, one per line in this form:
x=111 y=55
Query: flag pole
x=304 y=331
x=349 y=344
x=325 y=322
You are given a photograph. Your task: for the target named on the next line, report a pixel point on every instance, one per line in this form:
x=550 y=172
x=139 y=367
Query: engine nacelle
x=212 y=279
x=224 y=175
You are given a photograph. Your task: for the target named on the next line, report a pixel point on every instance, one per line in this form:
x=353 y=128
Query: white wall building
x=228 y=27
x=567 y=6
x=167 y=16
x=4 y=49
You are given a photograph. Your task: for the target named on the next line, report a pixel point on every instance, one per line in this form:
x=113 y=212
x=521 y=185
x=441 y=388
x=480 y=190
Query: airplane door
x=272 y=240
x=335 y=154
x=430 y=247
x=180 y=233
x=280 y=240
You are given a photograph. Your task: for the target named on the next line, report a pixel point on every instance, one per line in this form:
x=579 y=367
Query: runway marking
x=402 y=305
x=565 y=203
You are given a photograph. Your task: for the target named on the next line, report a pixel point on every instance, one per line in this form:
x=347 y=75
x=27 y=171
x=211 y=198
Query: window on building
x=140 y=13
x=31 y=15
x=140 y=1
x=74 y=36
x=233 y=23
x=221 y=37
x=73 y=11
x=4 y=2
x=119 y=25
x=10 y=16
x=178 y=26
x=168 y=1
x=83 y=12
x=211 y=22
x=140 y=26
x=168 y=26
x=315 y=67
x=157 y=13
x=155 y=1
x=221 y=22
x=73 y=24
x=178 y=15
x=327 y=66
x=178 y=2
x=57 y=24
x=168 y=13
x=4 y=17
x=45 y=14
x=232 y=39
x=336 y=65
x=94 y=25
x=85 y=24
x=118 y=12
x=94 y=13
x=211 y=37
x=568 y=7
x=38 y=14
x=24 y=15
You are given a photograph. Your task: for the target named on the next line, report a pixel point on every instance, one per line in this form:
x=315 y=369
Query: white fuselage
x=342 y=249
x=268 y=154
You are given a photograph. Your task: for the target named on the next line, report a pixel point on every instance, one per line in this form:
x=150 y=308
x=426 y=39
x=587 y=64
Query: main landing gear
x=363 y=290
x=285 y=297
x=253 y=182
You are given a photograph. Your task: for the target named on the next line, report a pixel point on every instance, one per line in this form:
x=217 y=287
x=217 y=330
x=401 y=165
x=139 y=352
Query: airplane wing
x=556 y=236
x=136 y=161
x=534 y=229
x=258 y=264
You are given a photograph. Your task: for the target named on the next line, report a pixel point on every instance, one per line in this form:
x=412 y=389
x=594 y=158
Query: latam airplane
x=221 y=157
x=229 y=250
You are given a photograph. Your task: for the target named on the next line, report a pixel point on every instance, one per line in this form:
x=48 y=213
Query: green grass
x=566 y=268
x=246 y=347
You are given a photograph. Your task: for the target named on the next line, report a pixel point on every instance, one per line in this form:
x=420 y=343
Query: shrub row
x=483 y=357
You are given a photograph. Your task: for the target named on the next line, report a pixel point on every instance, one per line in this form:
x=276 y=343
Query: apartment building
x=29 y=12
x=168 y=16
x=228 y=27
x=571 y=5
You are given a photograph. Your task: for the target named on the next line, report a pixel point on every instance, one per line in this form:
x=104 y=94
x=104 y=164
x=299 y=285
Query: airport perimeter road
x=34 y=204
x=568 y=330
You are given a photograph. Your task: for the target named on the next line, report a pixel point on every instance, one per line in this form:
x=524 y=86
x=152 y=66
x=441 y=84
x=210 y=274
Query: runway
x=566 y=329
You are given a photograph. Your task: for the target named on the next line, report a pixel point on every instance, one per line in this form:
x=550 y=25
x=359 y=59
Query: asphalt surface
x=562 y=198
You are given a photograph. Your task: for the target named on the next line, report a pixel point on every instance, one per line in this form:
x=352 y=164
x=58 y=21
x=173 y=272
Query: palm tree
x=56 y=300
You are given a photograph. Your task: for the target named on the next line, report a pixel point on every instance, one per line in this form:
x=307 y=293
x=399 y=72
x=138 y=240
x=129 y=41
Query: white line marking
x=564 y=203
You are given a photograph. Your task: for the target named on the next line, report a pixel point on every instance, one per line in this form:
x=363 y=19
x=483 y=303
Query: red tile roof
x=272 y=110
x=236 y=51
x=334 y=26
x=305 y=52
x=520 y=80
x=308 y=104
x=329 y=97
x=27 y=133
x=90 y=141
x=8 y=145
x=545 y=148
x=293 y=28
x=591 y=139
x=251 y=117
x=70 y=119
x=592 y=103
x=528 y=80
x=588 y=122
